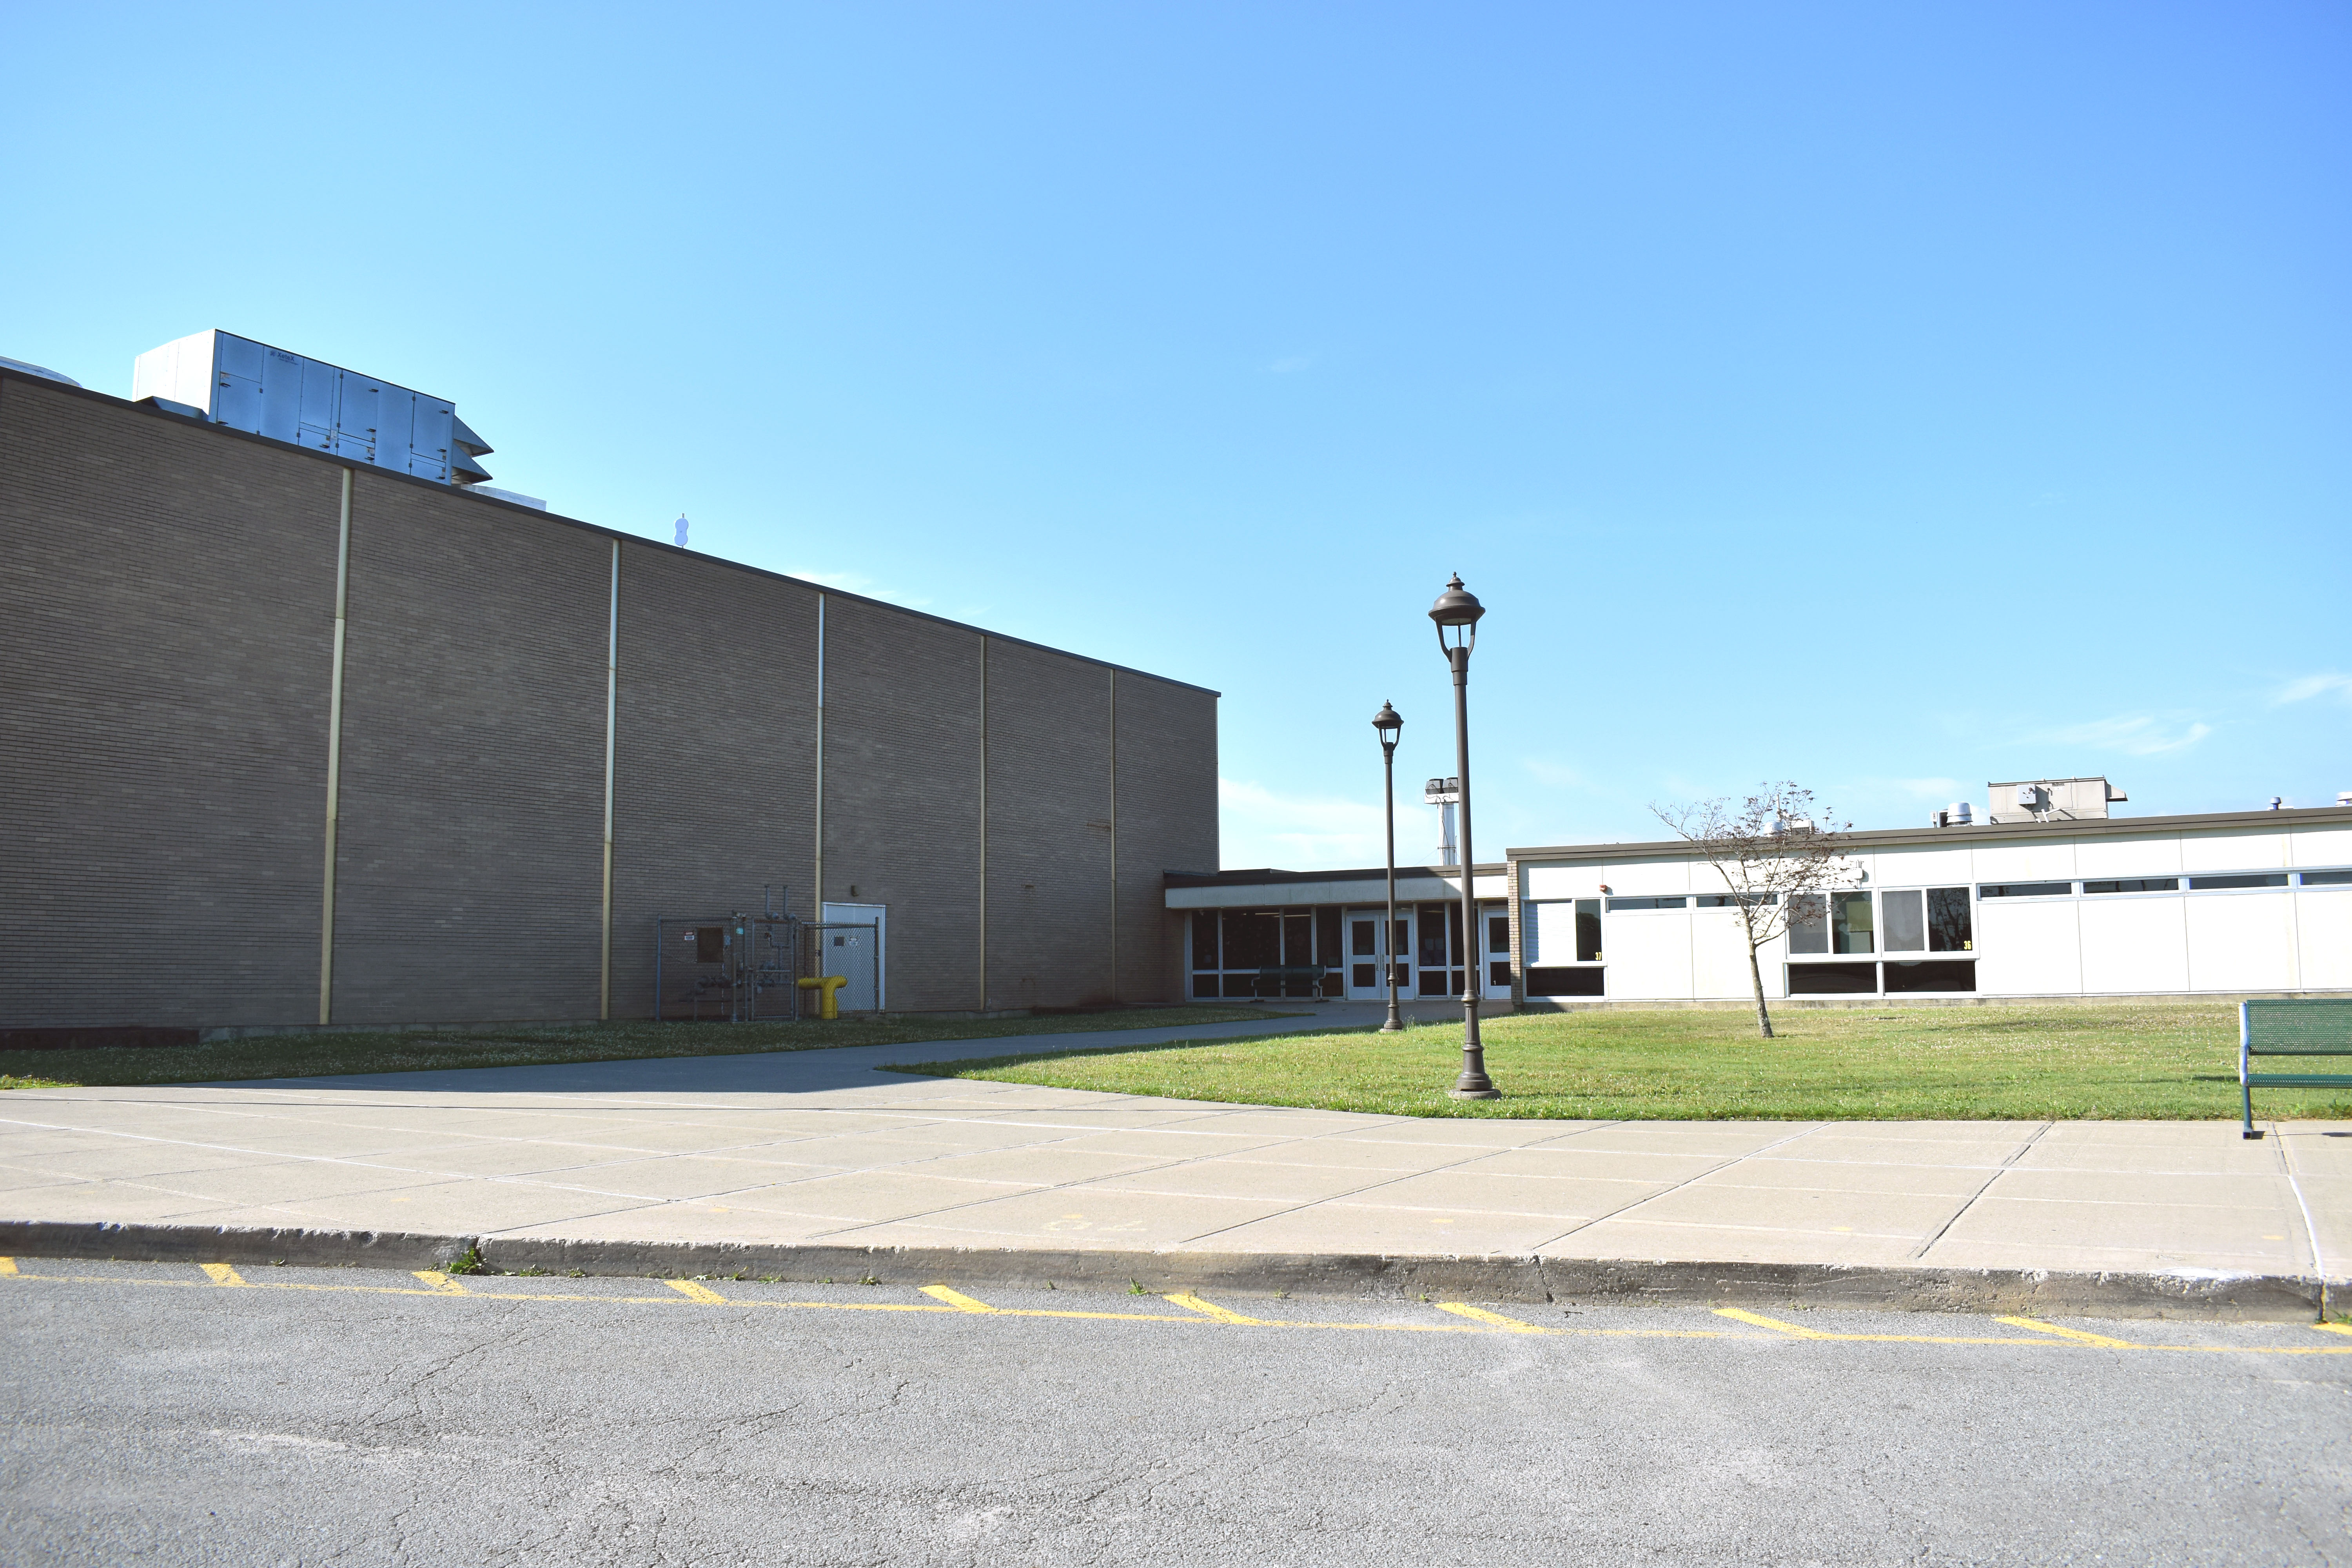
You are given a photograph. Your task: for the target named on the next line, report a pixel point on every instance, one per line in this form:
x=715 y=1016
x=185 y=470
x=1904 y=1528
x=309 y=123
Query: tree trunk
x=1756 y=975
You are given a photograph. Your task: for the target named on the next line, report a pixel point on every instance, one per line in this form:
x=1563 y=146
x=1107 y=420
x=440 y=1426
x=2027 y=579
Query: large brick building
x=207 y=636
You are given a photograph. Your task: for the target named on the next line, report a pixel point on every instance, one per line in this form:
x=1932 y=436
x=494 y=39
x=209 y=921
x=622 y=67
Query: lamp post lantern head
x=1387 y=726
x=1457 y=611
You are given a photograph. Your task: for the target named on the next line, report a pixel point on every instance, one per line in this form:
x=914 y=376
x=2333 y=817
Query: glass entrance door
x=1366 y=952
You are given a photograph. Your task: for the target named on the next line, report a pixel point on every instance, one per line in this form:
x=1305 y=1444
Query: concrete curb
x=2028 y=1292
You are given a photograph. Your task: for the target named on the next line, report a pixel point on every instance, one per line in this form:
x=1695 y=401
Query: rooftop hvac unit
x=251 y=387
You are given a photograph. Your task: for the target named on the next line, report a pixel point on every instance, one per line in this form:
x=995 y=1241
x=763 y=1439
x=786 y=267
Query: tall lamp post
x=1388 y=727
x=1457 y=614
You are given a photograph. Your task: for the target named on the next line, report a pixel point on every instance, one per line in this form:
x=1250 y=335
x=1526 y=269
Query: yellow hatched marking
x=958 y=1300
x=1480 y=1314
x=1193 y=1303
x=221 y=1274
x=2078 y=1335
x=8 y=1266
x=1737 y=1315
x=440 y=1283
x=695 y=1292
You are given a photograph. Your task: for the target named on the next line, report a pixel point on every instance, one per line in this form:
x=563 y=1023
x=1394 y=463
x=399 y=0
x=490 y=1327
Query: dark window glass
x=1363 y=938
x=1363 y=976
x=1240 y=985
x=2251 y=879
x=1809 y=923
x=1498 y=934
x=1453 y=952
x=1831 y=979
x=1731 y=900
x=1565 y=981
x=1588 y=931
x=1431 y=954
x=1401 y=947
x=1850 y=926
x=1907 y=922
x=1950 y=928
x=1298 y=939
x=1403 y=971
x=1498 y=975
x=2326 y=878
x=2025 y=890
x=1327 y=936
x=1933 y=974
x=1253 y=940
x=1616 y=904
x=1331 y=986
x=1204 y=940
x=1204 y=985
x=2136 y=885
x=1432 y=982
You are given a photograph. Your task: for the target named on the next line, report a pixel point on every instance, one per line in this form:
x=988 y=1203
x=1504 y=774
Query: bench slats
x=2290 y=1027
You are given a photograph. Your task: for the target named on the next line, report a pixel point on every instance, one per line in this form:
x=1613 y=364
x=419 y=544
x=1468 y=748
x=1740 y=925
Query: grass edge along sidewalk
x=336 y=1053
x=2004 y=1062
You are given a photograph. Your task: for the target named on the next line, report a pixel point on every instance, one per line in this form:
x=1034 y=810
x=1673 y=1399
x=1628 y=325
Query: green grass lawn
x=2156 y=1060
x=314 y=1055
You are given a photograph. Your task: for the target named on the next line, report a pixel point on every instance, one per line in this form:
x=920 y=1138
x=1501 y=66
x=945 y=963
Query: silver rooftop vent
x=42 y=370
x=251 y=387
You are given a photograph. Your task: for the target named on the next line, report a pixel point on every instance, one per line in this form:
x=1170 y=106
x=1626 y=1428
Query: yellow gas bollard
x=829 y=1005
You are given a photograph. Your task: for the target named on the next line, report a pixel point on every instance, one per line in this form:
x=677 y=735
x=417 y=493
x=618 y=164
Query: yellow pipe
x=829 y=1005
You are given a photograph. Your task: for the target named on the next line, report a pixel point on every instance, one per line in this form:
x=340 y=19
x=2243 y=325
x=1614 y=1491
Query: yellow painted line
x=1737 y=1315
x=2079 y=1336
x=441 y=1284
x=221 y=1274
x=957 y=1299
x=8 y=1266
x=1480 y=1315
x=1193 y=1303
x=2334 y=1328
x=694 y=1293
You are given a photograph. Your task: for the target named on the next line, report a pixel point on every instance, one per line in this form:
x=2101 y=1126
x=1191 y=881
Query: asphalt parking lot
x=170 y=1413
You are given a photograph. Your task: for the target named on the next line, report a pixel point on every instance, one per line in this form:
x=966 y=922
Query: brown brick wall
x=166 y=625
x=166 y=614
x=469 y=881
x=902 y=792
x=713 y=751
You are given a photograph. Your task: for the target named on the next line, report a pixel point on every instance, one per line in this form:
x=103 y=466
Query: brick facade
x=166 y=635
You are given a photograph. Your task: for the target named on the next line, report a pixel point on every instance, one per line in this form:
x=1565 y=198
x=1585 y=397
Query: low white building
x=2025 y=905
x=2044 y=895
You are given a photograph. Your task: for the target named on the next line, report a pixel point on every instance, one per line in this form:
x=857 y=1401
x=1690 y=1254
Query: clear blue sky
x=1886 y=398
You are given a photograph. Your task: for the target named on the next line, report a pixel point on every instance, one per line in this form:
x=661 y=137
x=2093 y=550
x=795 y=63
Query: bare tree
x=1776 y=859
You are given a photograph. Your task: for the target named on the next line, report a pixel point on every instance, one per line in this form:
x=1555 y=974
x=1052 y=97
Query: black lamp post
x=1457 y=614
x=1387 y=726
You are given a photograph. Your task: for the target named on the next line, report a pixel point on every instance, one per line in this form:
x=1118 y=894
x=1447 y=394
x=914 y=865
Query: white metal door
x=860 y=957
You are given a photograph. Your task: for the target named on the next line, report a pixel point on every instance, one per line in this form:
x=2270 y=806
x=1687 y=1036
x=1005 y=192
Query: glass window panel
x=2326 y=878
x=1363 y=938
x=1432 y=982
x=1831 y=979
x=1204 y=985
x=1499 y=975
x=1453 y=940
x=1298 y=939
x=2025 y=890
x=1363 y=976
x=1588 y=931
x=1616 y=904
x=1431 y=954
x=1850 y=924
x=1327 y=936
x=1907 y=921
x=1809 y=923
x=1950 y=928
x=1253 y=939
x=1401 y=947
x=1204 y=940
x=2256 y=879
x=1731 y=900
x=1933 y=974
x=1498 y=934
x=2135 y=885
x=1564 y=981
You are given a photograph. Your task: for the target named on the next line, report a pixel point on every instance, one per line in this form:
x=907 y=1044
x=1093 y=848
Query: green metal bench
x=2291 y=1027
x=1282 y=974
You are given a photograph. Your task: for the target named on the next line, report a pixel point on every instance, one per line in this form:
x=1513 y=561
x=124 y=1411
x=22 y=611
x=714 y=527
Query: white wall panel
x=2147 y=855
x=1923 y=868
x=2321 y=846
x=2133 y=943
x=1719 y=955
x=2240 y=941
x=1649 y=955
x=1633 y=878
x=1574 y=880
x=2037 y=860
x=2323 y=919
x=2232 y=851
x=2028 y=947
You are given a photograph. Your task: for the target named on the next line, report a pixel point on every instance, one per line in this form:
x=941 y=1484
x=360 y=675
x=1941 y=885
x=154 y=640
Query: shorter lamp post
x=1388 y=727
x=1457 y=614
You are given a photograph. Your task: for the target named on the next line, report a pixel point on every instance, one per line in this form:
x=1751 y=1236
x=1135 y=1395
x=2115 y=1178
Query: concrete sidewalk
x=809 y=1164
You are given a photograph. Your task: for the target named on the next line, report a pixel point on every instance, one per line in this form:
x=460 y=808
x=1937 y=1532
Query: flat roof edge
x=1980 y=833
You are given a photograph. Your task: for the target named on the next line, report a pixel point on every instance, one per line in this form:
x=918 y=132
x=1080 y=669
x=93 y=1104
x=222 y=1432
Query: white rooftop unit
x=251 y=387
x=2050 y=799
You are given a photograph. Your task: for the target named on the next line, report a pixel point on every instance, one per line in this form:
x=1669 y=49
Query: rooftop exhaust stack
x=253 y=387
x=1445 y=795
